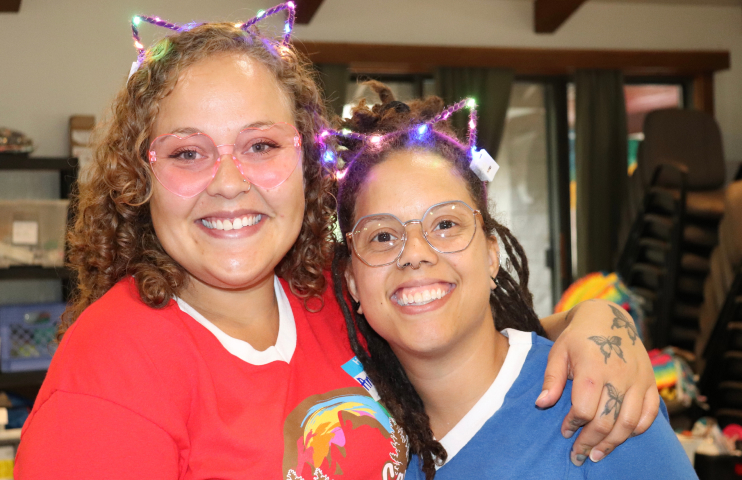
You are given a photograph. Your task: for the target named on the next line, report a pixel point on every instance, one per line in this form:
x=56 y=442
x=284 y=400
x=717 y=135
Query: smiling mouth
x=231 y=223
x=416 y=296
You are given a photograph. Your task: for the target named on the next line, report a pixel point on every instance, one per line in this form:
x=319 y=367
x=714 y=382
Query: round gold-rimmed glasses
x=379 y=239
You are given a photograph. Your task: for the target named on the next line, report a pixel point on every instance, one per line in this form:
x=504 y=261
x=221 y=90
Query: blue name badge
x=354 y=368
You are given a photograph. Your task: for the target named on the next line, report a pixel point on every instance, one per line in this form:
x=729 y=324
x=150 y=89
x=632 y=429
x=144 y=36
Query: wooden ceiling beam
x=12 y=6
x=549 y=15
x=305 y=10
x=379 y=58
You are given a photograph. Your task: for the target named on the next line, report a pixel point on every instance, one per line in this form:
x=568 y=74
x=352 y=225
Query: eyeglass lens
x=186 y=165
x=448 y=227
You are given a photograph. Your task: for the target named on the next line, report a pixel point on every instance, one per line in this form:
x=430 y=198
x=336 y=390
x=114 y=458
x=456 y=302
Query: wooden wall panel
x=380 y=58
x=703 y=92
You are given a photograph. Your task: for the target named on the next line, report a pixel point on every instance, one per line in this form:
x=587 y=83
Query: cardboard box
x=32 y=232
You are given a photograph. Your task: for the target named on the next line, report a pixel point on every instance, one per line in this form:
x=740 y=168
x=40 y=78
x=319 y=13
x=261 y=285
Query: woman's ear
x=493 y=252
x=352 y=289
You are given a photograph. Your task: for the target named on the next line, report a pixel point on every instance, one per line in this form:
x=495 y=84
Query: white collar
x=285 y=345
x=491 y=401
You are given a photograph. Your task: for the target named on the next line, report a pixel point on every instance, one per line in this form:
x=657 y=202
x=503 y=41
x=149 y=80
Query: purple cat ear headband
x=481 y=162
x=288 y=7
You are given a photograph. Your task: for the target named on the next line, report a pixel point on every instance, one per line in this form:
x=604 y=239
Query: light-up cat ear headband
x=480 y=161
x=289 y=7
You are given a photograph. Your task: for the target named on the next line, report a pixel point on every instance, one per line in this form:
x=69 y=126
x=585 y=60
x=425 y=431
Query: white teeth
x=421 y=298
x=234 y=224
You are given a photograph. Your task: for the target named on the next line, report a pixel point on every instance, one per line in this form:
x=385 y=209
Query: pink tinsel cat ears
x=480 y=161
x=288 y=7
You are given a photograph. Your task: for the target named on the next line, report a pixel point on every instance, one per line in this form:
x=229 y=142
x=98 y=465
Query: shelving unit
x=28 y=383
x=10 y=436
x=66 y=166
x=28 y=272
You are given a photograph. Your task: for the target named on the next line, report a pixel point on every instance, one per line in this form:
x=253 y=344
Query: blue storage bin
x=27 y=335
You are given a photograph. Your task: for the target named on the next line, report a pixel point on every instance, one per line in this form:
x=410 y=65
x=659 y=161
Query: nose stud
x=410 y=264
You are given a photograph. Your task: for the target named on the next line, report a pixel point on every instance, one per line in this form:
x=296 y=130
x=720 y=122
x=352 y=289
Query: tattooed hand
x=620 y=321
x=608 y=345
x=614 y=401
x=594 y=351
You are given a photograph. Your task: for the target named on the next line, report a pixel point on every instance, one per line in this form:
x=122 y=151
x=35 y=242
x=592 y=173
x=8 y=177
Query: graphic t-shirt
x=135 y=392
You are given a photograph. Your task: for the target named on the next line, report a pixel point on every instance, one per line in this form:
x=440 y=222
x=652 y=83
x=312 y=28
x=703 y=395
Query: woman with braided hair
x=203 y=340
x=448 y=337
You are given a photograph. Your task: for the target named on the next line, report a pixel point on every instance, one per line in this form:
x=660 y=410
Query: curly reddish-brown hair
x=112 y=236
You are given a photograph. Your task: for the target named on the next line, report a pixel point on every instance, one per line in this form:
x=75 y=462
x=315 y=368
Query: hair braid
x=380 y=362
x=511 y=301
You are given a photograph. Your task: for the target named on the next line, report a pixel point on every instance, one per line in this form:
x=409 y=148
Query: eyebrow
x=192 y=130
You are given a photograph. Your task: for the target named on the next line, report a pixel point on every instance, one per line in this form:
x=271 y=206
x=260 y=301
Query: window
x=519 y=194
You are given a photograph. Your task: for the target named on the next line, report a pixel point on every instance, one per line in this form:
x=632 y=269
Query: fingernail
x=543 y=395
x=568 y=433
x=578 y=459
x=596 y=455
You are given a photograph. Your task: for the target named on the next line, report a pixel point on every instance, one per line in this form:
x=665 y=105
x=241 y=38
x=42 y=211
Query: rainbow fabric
x=665 y=372
x=607 y=286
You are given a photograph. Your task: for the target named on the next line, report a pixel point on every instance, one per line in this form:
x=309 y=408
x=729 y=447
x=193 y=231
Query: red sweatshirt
x=139 y=393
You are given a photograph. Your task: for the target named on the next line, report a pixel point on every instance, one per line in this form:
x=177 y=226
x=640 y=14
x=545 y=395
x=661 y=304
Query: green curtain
x=490 y=87
x=601 y=167
x=334 y=80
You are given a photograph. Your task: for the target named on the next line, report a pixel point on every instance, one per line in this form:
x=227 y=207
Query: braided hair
x=511 y=302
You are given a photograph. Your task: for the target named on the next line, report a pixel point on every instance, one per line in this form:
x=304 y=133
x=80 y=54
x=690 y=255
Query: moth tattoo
x=620 y=321
x=615 y=400
x=609 y=345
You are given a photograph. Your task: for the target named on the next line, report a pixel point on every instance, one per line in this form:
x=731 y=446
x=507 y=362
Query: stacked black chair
x=719 y=346
x=679 y=185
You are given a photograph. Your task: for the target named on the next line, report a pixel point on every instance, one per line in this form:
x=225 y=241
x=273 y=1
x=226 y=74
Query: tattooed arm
x=599 y=346
x=555 y=323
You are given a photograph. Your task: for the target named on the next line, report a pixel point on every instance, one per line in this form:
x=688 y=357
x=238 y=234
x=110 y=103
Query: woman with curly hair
x=447 y=336
x=202 y=340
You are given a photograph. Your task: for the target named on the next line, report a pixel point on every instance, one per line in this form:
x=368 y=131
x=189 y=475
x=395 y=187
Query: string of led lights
x=288 y=7
x=480 y=161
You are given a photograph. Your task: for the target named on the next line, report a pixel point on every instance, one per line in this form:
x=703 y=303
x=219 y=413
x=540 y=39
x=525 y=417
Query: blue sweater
x=521 y=441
